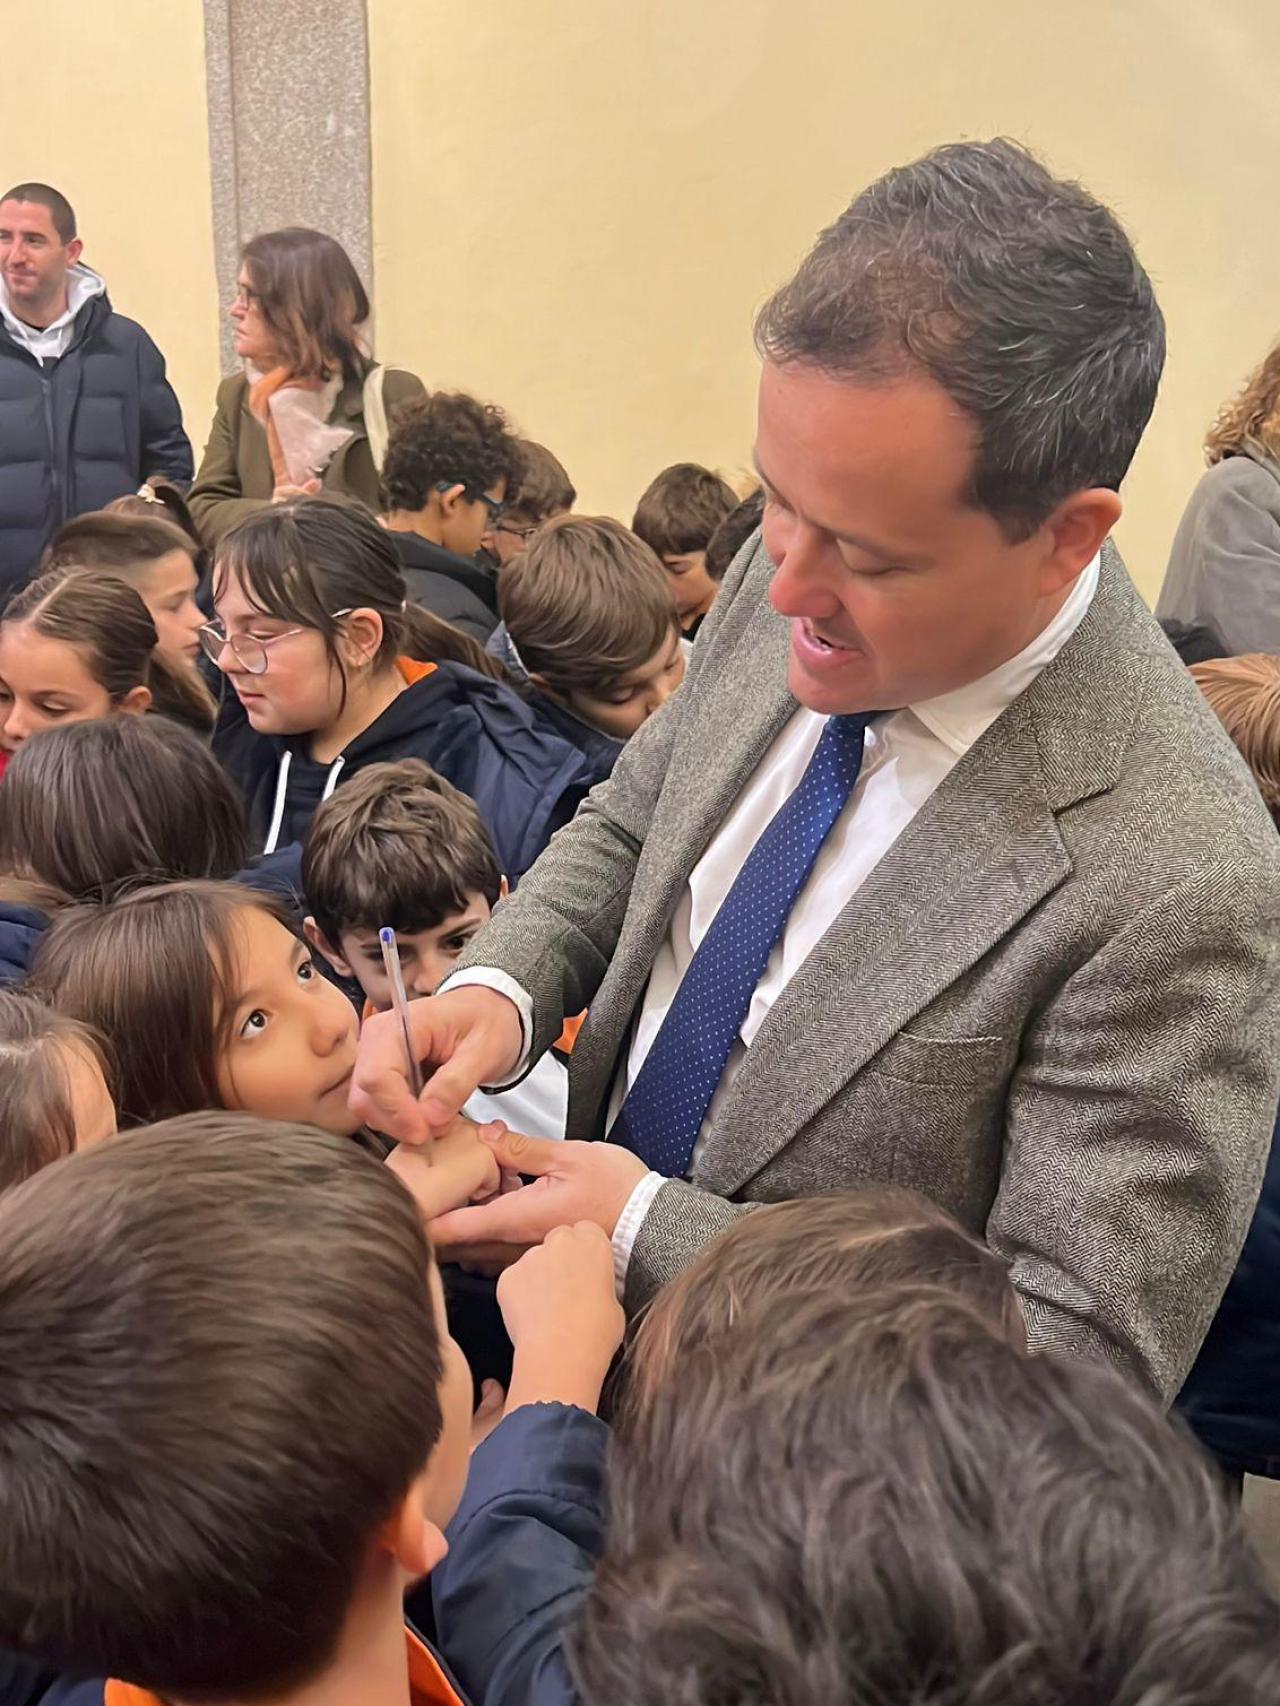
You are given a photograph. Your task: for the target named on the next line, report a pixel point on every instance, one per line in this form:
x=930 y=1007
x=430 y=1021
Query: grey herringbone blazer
x=1053 y=1007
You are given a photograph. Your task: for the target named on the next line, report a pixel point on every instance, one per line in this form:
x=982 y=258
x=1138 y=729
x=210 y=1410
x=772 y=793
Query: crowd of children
x=240 y=1453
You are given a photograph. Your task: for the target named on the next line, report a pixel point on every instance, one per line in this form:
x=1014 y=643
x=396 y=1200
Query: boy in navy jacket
x=232 y=1423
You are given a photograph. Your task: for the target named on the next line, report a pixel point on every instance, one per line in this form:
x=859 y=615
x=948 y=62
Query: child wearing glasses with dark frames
x=451 y=470
x=332 y=669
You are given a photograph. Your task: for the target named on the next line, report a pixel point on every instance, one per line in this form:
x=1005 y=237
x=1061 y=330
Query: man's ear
x=136 y=702
x=75 y=248
x=1075 y=533
x=415 y=1543
x=325 y=948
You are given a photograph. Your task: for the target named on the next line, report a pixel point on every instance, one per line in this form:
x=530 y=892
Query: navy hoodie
x=600 y=751
x=21 y=928
x=474 y=731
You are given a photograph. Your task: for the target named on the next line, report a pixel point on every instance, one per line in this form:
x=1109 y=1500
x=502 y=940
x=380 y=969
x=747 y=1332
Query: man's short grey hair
x=1018 y=292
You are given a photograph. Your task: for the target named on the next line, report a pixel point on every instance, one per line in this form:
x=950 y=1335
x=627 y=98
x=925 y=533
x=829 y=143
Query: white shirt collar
x=958 y=718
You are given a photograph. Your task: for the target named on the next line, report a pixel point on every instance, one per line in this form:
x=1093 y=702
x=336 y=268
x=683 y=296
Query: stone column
x=288 y=94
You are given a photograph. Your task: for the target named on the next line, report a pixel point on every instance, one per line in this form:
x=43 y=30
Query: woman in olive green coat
x=309 y=412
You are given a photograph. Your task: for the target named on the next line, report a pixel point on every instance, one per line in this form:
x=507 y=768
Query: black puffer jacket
x=79 y=431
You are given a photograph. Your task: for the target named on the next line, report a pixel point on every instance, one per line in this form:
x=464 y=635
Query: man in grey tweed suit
x=1034 y=972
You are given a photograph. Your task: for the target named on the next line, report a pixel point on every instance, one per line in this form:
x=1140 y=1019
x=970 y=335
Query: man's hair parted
x=1017 y=292
x=447 y=436
x=218 y=1401
x=397 y=845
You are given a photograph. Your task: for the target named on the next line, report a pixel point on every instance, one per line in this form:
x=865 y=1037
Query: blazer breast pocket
x=910 y=1058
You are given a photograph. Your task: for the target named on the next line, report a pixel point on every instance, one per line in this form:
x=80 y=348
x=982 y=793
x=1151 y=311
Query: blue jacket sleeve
x=164 y=446
x=26 y=1682
x=522 y=1550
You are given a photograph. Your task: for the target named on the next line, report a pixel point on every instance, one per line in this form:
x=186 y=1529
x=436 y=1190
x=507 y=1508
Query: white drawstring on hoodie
x=282 y=788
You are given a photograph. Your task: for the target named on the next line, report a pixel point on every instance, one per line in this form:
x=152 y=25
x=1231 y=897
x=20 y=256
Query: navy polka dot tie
x=665 y=1107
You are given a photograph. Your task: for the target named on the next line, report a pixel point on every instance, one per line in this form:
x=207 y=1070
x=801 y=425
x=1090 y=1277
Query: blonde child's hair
x=1244 y=695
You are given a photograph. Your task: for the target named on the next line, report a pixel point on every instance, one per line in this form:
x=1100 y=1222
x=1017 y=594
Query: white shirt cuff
x=489 y=977
x=630 y=1221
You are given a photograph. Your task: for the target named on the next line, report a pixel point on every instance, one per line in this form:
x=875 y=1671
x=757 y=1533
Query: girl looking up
x=206 y=999
x=332 y=670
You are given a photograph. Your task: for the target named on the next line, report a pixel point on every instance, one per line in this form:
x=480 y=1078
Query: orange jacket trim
x=428 y=1684
x=413 y=670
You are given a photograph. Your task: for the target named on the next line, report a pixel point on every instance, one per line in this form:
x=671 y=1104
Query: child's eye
x=254 y=1025
x=307 y=971
x=455 y=944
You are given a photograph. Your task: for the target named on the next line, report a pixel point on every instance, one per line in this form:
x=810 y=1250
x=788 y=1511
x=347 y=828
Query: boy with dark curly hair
x=451 y=462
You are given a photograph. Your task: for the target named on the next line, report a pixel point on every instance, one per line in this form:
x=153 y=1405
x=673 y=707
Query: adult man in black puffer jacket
x=86 y=413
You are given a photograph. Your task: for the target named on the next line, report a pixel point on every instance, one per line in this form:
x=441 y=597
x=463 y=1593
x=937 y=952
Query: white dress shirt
x=907 y=755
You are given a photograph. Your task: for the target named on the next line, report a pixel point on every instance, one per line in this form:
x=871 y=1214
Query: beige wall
x=105 y=99
x=579 y=203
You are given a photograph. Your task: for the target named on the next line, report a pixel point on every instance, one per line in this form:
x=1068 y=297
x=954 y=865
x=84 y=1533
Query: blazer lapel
x=980 y=853
x=733 y=727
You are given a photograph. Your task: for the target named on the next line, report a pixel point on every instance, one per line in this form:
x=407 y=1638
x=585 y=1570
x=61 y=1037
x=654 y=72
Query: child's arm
x=453 y=1169
x=530 y=1529
x=560 y=1306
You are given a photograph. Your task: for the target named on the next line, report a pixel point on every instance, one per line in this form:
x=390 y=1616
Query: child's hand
x=561 y=1309
x=452 y=1170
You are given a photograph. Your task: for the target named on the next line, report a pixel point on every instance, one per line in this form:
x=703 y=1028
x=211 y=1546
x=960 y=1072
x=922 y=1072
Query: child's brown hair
x=876 y=1496
x=842 y=1246
x=1244 y=694
x=118 y=543
x=680 y=510
x=447 y=438
x=398 y=846
x=91 y=805
x=37 y=1119
x=108 y=624
x=543 y=489
x=220 y=1372
x=152 y=973
x=587 y=603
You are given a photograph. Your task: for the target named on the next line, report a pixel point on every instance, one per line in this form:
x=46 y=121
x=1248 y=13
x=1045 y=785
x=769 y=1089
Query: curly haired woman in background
x=1224 y=569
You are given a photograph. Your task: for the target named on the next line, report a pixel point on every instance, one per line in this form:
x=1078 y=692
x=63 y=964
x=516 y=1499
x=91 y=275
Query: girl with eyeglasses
x=331 y=668
x=309 y=411
x=76 y=645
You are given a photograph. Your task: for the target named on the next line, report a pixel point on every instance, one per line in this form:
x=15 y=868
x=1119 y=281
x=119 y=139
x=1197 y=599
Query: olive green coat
x=235 y=476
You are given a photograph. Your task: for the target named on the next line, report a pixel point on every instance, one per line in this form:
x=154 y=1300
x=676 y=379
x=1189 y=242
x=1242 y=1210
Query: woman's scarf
x=295 y=413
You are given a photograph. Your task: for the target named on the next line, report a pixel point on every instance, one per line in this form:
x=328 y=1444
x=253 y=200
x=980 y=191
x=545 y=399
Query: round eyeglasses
x=250 y=653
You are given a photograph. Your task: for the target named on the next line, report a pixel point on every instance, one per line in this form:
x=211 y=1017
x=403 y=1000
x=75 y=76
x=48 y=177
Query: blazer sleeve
x=1138 y=1126
x=216 y=500
x=164 y=447
x=522 y=1551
